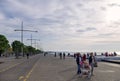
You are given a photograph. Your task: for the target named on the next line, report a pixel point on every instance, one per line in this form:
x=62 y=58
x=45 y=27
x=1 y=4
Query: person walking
x=27 y=55
x=60 y=55
x=74 y=55
x=92 y=62
x=78 y=60
x=63 y=55
x=55 y=54
x=84 y=57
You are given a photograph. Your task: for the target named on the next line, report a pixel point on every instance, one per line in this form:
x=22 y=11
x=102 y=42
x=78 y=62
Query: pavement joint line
x=30 y=72
x=21 y=77
x=25 y=80
x=9 y=67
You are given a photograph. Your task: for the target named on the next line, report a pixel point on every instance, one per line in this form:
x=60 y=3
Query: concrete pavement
x=16 y=69
x=54 y=69
x=8 y=62
x=50 y=68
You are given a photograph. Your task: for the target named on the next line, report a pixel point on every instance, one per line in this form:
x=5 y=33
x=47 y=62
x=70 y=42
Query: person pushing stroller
x=85 y=69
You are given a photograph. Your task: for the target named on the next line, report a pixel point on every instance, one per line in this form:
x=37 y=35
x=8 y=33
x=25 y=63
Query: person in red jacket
x=84 y=57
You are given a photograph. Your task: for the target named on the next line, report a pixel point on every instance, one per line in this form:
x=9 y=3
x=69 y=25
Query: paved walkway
x=50 y=68
x=9 y=62
x=53 y=69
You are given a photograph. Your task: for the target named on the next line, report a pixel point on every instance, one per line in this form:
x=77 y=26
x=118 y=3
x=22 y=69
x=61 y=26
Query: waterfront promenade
x=50 y=68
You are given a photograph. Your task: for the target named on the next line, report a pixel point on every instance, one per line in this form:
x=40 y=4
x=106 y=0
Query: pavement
x=65 y=70
x=50 y=68
x=15 y=69
x=6 y=62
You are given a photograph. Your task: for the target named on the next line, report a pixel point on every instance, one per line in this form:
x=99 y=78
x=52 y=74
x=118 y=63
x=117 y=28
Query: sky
x=63 y=25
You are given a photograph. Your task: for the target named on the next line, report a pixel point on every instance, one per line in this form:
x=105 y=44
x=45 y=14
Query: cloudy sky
x=64 y=25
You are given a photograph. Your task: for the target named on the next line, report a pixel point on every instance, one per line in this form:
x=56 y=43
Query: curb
x=110 y=61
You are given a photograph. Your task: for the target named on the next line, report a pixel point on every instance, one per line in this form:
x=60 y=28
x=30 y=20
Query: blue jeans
x=92 y=67
x=79 y=70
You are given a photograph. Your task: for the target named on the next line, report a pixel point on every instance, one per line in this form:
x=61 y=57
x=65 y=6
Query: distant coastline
x=66 y=52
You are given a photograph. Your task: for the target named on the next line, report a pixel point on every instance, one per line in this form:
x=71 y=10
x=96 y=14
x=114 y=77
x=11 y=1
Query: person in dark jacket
x=55 y=54
x=27 y=55
x=78 y=59
x=60 y=55
x=64 y=55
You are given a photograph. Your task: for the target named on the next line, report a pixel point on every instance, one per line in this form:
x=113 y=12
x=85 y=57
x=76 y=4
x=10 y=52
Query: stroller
x=85 y=69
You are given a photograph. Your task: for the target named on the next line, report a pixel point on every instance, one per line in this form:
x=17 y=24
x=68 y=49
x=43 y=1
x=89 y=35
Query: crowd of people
x=88 y=61
x=84 y=61
x=109 y=54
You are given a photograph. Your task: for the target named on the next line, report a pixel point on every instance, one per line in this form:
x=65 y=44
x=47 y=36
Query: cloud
x=2 y=16
x=103 y=8
x=48 y=21
x=106 y=34
x=90 y=28
x=114 y=4
x=81 y=31
x=25 y=9
x=108 y=42
x=59 y=22
x=86 y=30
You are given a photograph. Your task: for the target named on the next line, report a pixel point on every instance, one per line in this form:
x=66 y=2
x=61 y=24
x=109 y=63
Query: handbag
x=95 y=64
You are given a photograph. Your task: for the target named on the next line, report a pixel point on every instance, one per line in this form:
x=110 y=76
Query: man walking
x=78 y=60
x=92 y=62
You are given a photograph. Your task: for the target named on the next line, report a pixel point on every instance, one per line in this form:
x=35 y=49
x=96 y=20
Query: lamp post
x=31 y=39
x=22 y=30
x=34 y=40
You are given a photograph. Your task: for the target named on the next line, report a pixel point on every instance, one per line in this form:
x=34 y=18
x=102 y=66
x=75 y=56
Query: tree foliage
x=4 y=44
x=31 y=49
x=17 y=46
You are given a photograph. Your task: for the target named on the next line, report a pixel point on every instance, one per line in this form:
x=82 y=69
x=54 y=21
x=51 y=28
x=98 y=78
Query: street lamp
x=22 y=30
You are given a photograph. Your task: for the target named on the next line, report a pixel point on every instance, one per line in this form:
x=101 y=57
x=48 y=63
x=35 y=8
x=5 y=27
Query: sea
x=72 y=53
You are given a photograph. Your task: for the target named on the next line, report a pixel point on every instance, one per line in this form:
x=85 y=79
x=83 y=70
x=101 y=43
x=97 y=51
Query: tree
x=31 y=49
x=17 y=47
x=4 y=44
x=38 y=51
x=25 y=49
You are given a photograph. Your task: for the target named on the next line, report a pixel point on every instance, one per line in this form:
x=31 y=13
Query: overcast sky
x=64 y=25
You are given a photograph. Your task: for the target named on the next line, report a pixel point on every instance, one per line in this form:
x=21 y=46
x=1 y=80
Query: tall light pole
x=22 y=30
x=36 y=42
x=33 y=43
x=30 y=39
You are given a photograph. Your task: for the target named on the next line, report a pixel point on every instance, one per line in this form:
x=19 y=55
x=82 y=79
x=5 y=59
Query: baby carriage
x=85 y=69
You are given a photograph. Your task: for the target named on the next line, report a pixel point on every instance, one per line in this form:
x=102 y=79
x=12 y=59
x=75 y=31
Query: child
x=86 y=65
